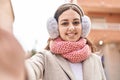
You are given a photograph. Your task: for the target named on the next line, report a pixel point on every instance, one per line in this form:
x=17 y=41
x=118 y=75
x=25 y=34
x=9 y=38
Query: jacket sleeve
x=35 y=67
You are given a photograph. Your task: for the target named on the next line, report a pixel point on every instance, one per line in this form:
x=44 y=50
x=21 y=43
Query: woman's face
x=69 y=23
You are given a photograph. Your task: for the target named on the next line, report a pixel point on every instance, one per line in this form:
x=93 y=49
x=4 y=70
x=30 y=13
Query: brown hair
x=65 y=7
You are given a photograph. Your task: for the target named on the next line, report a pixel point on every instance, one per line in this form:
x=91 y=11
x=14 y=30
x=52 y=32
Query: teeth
x=71 y=34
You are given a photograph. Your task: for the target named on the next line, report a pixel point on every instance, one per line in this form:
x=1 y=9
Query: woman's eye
x=65 y=23
x=76 y=23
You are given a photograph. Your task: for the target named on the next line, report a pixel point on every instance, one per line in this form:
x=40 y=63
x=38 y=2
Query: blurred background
x=30 y=16
x=30 y=21
x=105 y=33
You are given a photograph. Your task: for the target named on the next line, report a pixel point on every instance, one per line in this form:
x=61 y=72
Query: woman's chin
x=72 y=39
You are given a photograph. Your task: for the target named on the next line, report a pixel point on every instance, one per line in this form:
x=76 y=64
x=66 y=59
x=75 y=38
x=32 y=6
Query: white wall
x=30 y=21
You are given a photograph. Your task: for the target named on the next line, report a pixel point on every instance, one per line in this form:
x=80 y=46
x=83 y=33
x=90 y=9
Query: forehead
x=69 y=14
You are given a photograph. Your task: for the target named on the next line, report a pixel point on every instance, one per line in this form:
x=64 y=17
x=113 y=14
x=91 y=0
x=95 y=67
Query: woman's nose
x=71 y=27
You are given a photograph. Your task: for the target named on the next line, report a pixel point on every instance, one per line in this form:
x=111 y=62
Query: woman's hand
x=11 y=57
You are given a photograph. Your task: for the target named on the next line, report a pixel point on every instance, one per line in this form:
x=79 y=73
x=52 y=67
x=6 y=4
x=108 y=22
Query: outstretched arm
x=11 y=57
x=11 y=52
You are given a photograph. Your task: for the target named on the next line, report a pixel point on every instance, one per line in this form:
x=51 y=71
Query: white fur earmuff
x=86 y=26
x=52 y=28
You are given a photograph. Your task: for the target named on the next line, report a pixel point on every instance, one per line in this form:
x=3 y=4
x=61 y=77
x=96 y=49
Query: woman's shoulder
x=95 y=57
x=45 y=53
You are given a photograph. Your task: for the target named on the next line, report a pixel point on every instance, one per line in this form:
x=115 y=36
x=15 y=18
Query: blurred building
x=105 y=33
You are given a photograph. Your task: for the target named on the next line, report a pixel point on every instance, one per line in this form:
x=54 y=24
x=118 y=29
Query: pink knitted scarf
x=72 y=51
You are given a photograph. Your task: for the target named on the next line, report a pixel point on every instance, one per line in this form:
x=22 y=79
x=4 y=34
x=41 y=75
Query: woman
x=69 y=55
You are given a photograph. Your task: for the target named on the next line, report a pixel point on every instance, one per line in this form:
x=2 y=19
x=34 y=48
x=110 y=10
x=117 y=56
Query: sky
x=30 y=21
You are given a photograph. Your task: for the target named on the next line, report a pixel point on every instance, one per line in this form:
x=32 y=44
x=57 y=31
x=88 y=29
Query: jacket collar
x=88 y=68
x=86 y=65
x=64 y=64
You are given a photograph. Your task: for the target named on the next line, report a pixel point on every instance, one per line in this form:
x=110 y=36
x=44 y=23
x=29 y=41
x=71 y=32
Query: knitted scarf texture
x=72 y=51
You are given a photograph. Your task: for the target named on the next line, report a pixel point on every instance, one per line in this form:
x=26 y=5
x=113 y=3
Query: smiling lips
x=71 y=34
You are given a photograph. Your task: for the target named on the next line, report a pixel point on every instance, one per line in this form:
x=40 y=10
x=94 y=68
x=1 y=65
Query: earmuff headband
x=52 y=25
